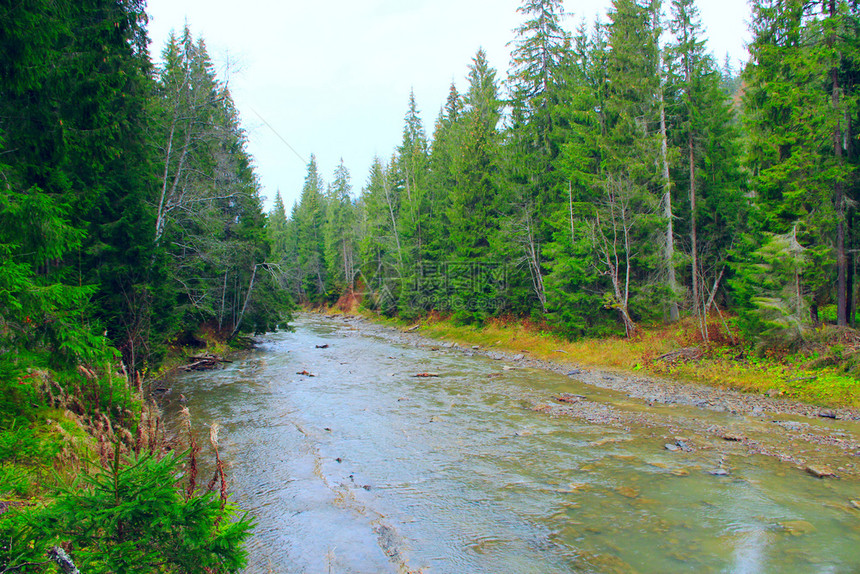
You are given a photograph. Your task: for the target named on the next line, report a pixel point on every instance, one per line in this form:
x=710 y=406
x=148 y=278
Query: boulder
x=820 y=470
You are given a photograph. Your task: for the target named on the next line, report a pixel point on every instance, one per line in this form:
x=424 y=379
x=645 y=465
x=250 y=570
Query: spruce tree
x=574 y=286
x=75 y=131
x=798 y=103
x=476 y=163
x=339 y=234
x=410 y=170
x=703 y=132
x=443 y=177
x=310 y=218
x=625 y=216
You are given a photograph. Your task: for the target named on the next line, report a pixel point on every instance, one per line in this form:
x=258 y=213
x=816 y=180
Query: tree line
x=129 y=206
x=130 y=216
x=618 y=175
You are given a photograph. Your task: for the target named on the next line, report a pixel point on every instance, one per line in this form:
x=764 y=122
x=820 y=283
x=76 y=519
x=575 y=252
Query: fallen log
x=687 y=353
x=305 y=373
x=62 y=560
x=204 y=362
x=208 y=357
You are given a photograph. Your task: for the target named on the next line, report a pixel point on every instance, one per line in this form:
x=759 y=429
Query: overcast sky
x=333 y=78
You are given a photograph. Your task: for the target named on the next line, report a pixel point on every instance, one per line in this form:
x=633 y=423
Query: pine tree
x=630 y=153
x=339 y=234
x=277 y=229
x=380 y=248
x=70 y=129
x=574 y=287
x=537 y=62
x=536 y=83
x=210 y=225
x=476 y=164
x=411 y=170
x=443 y=177
x=797 y=113
x=704 y=133
x=310 y=218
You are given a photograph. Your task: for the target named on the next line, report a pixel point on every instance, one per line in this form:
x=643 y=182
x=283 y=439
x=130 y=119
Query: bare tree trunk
x=570 y=205
x=387 y=190
x=247 y=298
x=698 y=307
x=798 y=289
x=841 y=255
x=159 y=217
x=533 y=257
x=714 y=289
x=852 y=273
x=607 y=249
x=851 y=263
x=348 y=266
x=223 y=297
x=698 y=299
x=168 y=190
x=629 y=326
x=63 y=561
x=842 y=306
x=667 y=213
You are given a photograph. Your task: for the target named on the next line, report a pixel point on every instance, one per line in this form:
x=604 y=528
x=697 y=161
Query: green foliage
x=38 y=308
x=22 y=444
x=309 y=221
x=130 y=518
x=156 y=225
x=800 y=90
x=475 y=166
x=776 y=284
x=15 y=481
x=339 y=233
x=25 y=455
x=209 y=223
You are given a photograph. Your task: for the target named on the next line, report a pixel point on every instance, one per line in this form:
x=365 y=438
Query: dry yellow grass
x=722 y=362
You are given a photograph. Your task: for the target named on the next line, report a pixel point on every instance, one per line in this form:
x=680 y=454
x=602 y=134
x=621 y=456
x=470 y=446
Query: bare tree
x=521 y=230
x=611 y=231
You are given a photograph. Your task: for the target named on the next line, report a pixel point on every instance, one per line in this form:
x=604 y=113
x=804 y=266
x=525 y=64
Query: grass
x=34 y=454
x=816 y=376
x=52 y=421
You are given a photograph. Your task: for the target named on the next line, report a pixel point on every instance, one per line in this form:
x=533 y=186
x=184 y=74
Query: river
x=366 y=468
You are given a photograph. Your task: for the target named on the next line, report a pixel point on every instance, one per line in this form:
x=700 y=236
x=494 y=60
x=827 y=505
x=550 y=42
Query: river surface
x=365 y=468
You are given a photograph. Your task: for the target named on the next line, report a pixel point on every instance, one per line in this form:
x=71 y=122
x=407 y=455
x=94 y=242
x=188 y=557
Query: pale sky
x=333 y=78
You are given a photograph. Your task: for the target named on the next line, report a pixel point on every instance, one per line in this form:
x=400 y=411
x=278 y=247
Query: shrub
x=130 y=518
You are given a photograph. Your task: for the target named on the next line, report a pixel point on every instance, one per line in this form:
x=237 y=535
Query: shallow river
x=365 y=468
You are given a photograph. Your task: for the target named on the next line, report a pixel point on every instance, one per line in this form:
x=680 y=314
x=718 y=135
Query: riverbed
x=360 y=450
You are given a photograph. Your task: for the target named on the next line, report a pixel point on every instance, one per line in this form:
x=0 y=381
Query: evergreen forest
x=130 y=221
x=617 y=175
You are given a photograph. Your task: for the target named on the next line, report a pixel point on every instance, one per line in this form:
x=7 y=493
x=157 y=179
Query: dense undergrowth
x=824 y=370
x=86 y=466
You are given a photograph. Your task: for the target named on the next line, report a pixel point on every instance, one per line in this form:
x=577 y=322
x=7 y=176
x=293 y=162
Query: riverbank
x=822 y=440
x=672 y=354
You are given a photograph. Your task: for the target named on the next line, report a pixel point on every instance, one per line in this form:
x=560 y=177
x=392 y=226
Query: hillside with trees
x=618 y=176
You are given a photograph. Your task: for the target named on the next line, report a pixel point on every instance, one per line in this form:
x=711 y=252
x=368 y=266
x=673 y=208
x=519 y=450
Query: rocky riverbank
x=823 y=441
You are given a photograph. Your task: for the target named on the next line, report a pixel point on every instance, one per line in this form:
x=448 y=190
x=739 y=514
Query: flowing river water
x=365 y=468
